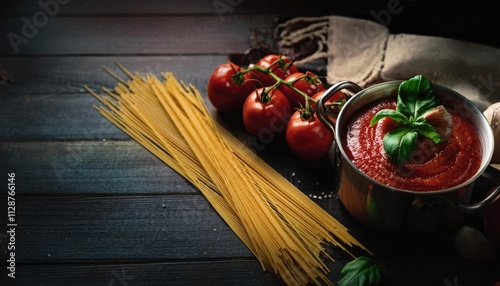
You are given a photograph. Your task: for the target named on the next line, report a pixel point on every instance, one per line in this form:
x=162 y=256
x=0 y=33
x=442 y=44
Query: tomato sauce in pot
x=431 y=167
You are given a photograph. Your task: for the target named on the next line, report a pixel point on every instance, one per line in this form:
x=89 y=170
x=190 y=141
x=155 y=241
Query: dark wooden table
x=92 y=207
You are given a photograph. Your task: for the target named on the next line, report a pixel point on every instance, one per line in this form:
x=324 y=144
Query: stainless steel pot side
x=379 y=206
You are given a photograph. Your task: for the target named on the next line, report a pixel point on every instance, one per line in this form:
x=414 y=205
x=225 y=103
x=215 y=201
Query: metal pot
x=379 y=206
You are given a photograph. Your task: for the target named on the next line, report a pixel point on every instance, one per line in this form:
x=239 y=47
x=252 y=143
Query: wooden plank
x=177 y=7
x=72 y=228
x=73 y=117
x=54 y=117
x=106 y=167
x=131 y=35
x=67 y=228
x=43 y=75
x=27 y=8
x=431 y=271
x=125 y=167
x=457 y=21
x=228 y=272
x=54 y=229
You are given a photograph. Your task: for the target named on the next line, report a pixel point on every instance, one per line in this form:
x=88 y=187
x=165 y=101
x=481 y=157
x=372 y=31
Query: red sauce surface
x=431 y=167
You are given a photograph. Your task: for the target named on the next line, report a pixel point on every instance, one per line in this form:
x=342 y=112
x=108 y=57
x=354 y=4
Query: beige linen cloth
x=366 y=53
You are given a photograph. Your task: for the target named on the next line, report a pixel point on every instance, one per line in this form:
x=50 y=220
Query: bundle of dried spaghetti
x=283 y=228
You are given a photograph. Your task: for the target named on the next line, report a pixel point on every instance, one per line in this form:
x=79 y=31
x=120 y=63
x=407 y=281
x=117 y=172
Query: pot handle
x=320 y=105
x=491 y=174
x=471 y=208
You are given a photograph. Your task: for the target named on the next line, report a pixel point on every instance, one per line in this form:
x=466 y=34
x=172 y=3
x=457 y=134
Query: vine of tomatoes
x=274 y=97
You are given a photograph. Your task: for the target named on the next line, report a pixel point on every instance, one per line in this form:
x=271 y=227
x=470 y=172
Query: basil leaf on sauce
x=427 y=130
x=400 y=142
x=391 y=113
x=362 y=271
x=415 y=97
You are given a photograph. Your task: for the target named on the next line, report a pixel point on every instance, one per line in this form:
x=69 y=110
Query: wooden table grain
x=93 y=207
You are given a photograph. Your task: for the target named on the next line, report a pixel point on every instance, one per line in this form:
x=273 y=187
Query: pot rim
x=391 y=84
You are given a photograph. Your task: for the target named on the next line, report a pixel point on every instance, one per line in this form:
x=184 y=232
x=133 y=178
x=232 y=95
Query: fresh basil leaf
x=399 y=143
x=416 y=97
x=391 y=113
x=427 y=130
x=362 y=271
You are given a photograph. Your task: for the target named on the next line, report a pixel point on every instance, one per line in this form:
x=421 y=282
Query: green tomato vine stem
x=307 y=111
x=279 y=82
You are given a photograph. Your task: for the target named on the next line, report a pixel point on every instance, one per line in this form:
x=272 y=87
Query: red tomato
x=269 y=61
x=339 y=97
x=308 y=139
x=224 y=92
x=491 y=220
x=308 y=83
x=266 y=117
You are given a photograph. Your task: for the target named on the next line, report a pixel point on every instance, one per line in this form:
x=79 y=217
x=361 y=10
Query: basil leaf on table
x=362 y=271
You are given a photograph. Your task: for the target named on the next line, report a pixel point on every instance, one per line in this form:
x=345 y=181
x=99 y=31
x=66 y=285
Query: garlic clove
x=492 y=114
x=473 y=244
